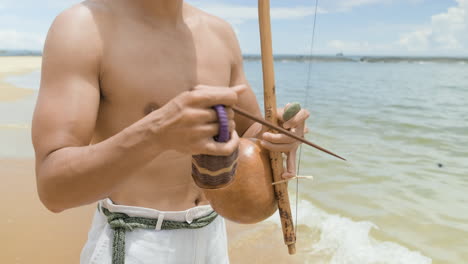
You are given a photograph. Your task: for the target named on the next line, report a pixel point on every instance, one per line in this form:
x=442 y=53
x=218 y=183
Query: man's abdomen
x=164 y=184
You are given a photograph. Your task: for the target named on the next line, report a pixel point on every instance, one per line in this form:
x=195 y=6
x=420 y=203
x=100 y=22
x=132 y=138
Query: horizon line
x=26 y=52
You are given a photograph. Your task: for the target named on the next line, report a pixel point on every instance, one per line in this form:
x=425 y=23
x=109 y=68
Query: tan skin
x=125 y=100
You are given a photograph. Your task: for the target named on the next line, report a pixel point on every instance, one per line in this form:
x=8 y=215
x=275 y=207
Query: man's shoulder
x=84 y=12
x=76 y=33
x=85 y=19
x=213 y=23
x=221 y=30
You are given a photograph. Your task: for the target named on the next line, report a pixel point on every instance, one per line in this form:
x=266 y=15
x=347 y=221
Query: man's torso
x=144 y=65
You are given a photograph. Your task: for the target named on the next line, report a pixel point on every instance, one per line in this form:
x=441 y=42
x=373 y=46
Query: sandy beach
x=32 y=234
x=10 y=66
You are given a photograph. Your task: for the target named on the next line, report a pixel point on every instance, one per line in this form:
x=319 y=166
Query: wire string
x=305 y=105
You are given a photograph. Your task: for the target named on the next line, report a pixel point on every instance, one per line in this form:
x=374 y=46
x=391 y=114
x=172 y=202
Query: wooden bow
x=276 y=158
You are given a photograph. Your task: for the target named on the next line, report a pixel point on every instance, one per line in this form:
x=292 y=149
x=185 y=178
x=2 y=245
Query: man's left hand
x=283 y=143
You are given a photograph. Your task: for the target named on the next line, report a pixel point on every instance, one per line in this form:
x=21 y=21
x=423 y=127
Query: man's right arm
x=70 y=172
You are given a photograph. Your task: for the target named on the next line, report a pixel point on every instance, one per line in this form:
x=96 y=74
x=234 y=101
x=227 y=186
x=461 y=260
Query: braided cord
x=121 y=223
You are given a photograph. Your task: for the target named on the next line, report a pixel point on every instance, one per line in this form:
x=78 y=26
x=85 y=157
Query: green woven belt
x=121 y=223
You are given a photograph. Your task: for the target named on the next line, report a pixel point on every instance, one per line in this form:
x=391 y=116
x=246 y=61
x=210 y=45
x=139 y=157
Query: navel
x=150 y=108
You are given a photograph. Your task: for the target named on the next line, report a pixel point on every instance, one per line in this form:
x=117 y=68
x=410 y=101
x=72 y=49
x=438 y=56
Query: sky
x=354 y=27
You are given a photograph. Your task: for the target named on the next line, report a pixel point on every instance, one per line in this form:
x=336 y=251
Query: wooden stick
x=283 y=131
x=276 y=158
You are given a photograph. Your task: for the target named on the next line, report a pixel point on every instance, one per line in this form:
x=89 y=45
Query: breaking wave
x=344 y=241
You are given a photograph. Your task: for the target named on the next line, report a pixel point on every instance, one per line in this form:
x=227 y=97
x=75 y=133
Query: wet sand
x=10 y=66
x=262 y=243
x=32 y=234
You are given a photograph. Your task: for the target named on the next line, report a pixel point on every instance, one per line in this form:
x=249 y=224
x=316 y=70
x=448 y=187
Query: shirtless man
x=125 y=100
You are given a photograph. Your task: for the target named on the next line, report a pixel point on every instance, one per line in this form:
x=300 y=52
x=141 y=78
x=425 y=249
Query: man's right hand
x=188 y=122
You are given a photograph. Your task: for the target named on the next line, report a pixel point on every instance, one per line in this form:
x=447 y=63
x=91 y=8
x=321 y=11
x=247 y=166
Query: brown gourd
x=249 y=197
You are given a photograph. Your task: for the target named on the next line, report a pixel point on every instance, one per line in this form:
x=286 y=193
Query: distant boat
x=340 y=54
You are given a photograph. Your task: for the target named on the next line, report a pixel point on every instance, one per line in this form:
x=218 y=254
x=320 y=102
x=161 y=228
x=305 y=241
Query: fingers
x=232 y=126
x=204 y=96
x=229 y=112
x=290 y=171
x=297 y=120
x=281 y=142
x=208 y=115
x=278 y=147
x=239 y=89
x=208 y=96
x=280 y=112
x=278 y=138
x=206 y=131
x=211 y=147
x=212 y=129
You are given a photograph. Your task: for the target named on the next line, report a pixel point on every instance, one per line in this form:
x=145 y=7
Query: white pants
x=143 y=246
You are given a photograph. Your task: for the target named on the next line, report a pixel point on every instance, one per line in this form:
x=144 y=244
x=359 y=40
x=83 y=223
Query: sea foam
x=344 y=241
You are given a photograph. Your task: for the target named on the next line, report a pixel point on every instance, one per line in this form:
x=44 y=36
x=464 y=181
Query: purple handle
x=223 y=133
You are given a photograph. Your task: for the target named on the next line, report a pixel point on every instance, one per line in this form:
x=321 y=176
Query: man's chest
x=158 y=69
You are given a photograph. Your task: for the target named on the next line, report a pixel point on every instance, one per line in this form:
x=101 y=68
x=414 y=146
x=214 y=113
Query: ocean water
x=15 y=119
x=402 y=195
x=403 y=126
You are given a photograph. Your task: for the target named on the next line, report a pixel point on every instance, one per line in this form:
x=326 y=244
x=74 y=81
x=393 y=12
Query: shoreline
x=12 y=66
